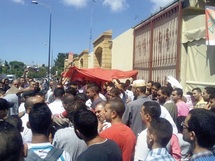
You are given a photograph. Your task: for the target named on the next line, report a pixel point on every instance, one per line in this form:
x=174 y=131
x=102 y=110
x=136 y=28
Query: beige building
x=170 y=42
x=108 y=53
x=122 y=51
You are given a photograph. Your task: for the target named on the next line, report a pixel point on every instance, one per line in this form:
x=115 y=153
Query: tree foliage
x=17 y=68
x=40 y=72
x=59 y=62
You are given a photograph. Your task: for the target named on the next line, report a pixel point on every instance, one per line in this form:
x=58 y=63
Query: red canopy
x=98 y=74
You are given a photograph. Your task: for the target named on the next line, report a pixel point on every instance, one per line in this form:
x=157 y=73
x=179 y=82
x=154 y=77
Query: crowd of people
x=112 y=121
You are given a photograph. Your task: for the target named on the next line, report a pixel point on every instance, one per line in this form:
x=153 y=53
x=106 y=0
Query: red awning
x=98 y=74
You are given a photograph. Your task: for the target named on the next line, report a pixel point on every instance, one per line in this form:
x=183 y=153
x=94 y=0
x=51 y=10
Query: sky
x=24 y=27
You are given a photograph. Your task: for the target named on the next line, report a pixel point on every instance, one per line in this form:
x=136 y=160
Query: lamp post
x=48 y=6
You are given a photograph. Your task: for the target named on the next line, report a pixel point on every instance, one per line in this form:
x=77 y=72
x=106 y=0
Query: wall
x=122 y=49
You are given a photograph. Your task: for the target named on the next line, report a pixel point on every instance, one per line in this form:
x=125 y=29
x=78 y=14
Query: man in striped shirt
x=40 y=122
x=158 y=135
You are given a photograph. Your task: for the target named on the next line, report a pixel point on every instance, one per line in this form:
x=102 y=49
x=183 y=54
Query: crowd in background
x=81 y=120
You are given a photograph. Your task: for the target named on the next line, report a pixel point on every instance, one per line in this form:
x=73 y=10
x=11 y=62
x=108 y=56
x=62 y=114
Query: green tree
x=38 y=73
x=59 y=62
x=16 y=68
x=6 y=67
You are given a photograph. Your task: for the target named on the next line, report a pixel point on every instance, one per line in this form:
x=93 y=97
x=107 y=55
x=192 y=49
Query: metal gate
x=157 y=45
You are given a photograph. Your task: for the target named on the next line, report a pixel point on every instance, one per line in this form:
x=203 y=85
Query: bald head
x=31 y=101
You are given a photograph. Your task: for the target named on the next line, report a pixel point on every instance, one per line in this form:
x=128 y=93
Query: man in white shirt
x=26 y=133
x=56 y=107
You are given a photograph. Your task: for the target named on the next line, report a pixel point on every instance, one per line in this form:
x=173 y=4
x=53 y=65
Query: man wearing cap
x=131 y=116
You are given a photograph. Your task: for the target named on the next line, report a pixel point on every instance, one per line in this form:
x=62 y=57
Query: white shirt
x=130 y=95
x=56 y=107
x=48 y=95
x=22 y=107
x=102 y=97
x=141 y=148
x=26 y=134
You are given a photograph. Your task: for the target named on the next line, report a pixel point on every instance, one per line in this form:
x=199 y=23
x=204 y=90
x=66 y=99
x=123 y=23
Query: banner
x=210 y=25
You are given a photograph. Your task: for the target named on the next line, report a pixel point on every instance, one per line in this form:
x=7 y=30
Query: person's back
x=40 y=123
x=66 y=139
x=105 y=151
x=99 y=149
x=56 y=107
x=131 y=116
x=172 y=109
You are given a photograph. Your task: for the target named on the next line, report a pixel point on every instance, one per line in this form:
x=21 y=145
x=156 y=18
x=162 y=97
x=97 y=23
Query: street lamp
x=48 y=6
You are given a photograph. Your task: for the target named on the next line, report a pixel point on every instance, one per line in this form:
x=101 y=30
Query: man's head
x=99 y=111
x=198 y=128
x=159 y=133
x=6 y=81
x=70 y=91
x=207 y=92
x=72 y=85
x=139 y=91
x=85 y=123
x=212 y=102
x=110 y=85
x=114 y=108
x=114 y=92
x=92 y=91
x=138 y=87
x=155 y=87
x=149 y=111
x=121 y=86
x=4 y=106
x=15 y=121
x=127 y=83
x=22 y=81
x=51 y=85
x=40 y=119
x=71 y=105
x=177 y=94
x=163 y=94
x=149 y=87
x=197 y=94
x=11 y=148
x=58 y=93
x=32 y=84
x=16 y=83
x=30 y=101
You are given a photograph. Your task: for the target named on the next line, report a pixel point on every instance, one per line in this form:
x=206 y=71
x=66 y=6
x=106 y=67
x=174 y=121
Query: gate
x=157 y=45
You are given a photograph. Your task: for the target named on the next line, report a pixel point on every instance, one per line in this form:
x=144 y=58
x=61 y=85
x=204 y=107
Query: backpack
x=52 y=155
